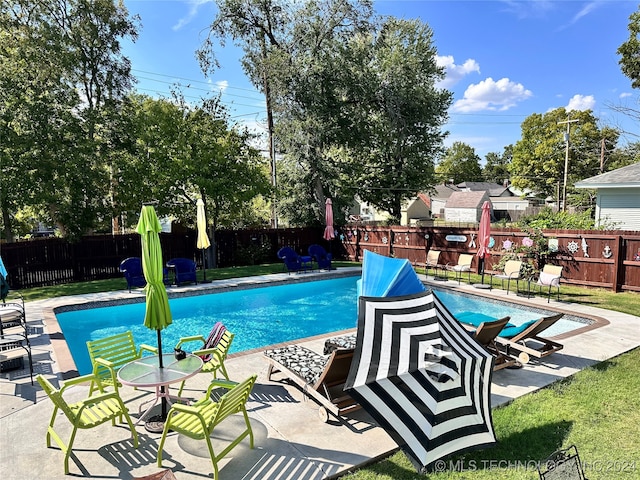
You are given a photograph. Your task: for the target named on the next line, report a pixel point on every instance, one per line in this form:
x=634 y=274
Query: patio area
x=291 y=441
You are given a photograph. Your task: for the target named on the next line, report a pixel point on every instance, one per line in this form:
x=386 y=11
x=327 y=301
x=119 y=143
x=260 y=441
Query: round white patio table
x=146 y=372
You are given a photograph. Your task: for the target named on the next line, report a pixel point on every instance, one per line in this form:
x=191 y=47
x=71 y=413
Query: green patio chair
x=213 y=352
x=85 y=414
x=198 y=421
x=109 y=354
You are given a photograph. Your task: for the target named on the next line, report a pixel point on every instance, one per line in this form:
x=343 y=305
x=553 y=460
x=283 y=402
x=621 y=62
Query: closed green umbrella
x=157 y=313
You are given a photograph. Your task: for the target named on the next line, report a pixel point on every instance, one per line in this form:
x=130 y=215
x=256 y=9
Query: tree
x=188 y=152
x=460 y=163
x=62 y=81
x=539 y=156
x=282 y=41
x=630 y=51
x=363 y=116
x=496 y=168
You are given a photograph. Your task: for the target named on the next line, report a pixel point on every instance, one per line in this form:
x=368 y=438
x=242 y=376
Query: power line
x=193 y=81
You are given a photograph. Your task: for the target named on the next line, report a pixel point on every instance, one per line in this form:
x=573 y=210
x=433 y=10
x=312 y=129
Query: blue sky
x=505 y=60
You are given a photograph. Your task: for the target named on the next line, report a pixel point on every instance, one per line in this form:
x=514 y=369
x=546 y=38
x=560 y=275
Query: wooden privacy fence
x=55 y=261
x=611 y=259
x=608 y=259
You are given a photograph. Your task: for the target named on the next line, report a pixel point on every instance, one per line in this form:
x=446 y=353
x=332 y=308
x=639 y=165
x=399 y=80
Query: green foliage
x=630 y=51
x=460 y=163
x=539 y=156
x=548 y=218
x=61 y=82
x=496 y=168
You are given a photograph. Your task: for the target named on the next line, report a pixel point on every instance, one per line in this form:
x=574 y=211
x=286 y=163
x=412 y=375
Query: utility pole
x=566 y=161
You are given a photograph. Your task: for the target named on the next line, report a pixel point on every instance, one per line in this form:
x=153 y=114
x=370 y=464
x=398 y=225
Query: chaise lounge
x=526 y=338
x=321 y=377
x=486 y=335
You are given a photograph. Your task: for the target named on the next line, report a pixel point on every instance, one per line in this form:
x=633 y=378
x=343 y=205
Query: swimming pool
x=259 y=316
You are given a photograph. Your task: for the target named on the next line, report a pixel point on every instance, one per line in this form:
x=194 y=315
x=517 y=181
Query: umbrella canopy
x=157 y=314
x=201 y=222
x=484 y=234
x=328 y=216
x=3 y=271
x=421 y=377
x=4 y=286
x=387 y=277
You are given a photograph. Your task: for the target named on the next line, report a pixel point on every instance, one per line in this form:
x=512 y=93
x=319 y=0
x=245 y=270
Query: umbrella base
x=155 y=424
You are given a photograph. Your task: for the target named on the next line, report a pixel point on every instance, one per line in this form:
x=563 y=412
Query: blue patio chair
x=320 y=255
x=132 y=269
x=292 y=261
x=184 y=270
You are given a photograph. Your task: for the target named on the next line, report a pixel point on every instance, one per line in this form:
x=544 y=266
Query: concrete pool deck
x=291 y=442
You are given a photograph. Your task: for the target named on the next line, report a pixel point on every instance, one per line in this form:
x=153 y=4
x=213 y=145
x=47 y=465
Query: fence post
x=618 y=262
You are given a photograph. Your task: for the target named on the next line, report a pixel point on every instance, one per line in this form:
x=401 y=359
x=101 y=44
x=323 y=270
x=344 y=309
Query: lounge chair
x=550 y=277
x=463 y=265
x=526 y=338
x=213 y=352
x=563 y=464
x=321 y=257
x=109 y=354
x=198 y=421
x=87 y=413
x=511 y=272
x=292 y=261
x=184 y=270
x=486 y=335
x=132 y=270
x=433 y=262
x=341 y=342
x=321 y=377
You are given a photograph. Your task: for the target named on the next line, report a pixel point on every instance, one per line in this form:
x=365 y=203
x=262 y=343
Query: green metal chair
x=85 y=414
x=213 y=356
x=199 y=420
x=109 y=354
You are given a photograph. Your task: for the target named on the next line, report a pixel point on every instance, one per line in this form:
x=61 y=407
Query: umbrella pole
x=482 y=284
x=204 y=267
x=155 y=424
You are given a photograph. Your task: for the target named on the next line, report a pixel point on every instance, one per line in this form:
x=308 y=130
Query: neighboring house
x=364 y=212
x=617 y=197
x=465 y=207
x=417 y=212
x=439 y=198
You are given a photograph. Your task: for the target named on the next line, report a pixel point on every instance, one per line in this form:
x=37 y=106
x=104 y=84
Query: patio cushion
x=305 y=363
x=512 y=331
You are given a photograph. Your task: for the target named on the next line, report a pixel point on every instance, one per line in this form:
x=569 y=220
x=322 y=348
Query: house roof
x=466 y=199
x=624 y=177
x=494 y=189
x=444 y=191
x=425 y=199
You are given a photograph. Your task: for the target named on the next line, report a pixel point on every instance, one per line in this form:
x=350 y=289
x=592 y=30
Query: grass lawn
x=598 y=409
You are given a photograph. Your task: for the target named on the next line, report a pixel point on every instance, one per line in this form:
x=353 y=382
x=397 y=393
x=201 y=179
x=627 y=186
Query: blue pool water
x=259 y=316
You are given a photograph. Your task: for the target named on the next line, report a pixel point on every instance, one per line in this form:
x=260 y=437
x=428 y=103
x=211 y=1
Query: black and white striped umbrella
x=422 y=377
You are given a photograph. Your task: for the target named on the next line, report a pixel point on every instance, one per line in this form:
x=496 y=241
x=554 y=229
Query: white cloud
x=491 y=95
x=455 y=72
x=625 y=94
x=194 y=5
x=581 y=102
x=220 y=85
